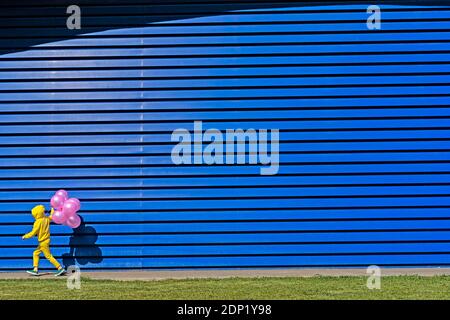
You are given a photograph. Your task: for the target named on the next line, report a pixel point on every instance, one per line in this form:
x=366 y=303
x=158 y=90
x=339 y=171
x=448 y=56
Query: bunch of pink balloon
x=65 y=209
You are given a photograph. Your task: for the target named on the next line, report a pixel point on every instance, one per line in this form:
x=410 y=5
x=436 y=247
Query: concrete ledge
x=220 y=274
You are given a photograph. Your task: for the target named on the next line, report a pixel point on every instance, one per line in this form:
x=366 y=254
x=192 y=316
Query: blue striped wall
x=363 y=115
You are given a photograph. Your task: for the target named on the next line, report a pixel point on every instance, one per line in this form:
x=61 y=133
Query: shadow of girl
x=83 y=249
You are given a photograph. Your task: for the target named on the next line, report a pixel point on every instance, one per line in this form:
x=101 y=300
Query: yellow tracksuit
x=41 y=229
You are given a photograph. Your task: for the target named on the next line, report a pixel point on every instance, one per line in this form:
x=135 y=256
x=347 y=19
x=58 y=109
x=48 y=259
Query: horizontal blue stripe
x=306 y=159
x=298 y=125
x=130 y=252
x=223 y=170
x=284 y=147
x=258 y=103
x=118 y=182
x=237 y=204
x=102 y=62
x=223 y=72
x=226 y=94
x=301 y=115
x=230 y=39
x=329 y=226
x=237 y=192
x=266 y=261
x=233 y=50
x=253 y=215
x=211 y=83
x=166 y=138
x=223 y=238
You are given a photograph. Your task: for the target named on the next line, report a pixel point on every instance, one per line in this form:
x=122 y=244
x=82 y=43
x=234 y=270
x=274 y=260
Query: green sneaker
x=60 y=272
x=33 y=273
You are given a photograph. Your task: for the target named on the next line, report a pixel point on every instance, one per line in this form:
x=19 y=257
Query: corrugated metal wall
x=364 y=119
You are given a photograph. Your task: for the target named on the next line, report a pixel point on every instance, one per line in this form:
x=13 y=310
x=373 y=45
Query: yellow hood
x=38 y=212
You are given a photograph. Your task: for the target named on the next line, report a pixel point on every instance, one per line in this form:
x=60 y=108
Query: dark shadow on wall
x=83 y=247
x=27 y=23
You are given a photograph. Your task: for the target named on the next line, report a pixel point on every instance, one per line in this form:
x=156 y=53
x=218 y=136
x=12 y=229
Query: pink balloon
x=69 y=208
x=74 y=221
x=62 y=193
x=59 y=217
x=76 y=203
x=65 y=223
x=57 y=202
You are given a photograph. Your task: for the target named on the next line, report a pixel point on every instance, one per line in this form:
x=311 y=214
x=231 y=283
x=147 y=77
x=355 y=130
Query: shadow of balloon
x=83 y=248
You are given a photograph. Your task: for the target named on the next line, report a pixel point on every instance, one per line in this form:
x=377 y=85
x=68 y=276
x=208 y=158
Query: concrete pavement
x=219 y=274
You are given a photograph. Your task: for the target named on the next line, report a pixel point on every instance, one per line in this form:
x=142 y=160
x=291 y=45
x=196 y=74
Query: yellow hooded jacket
x=41 y=227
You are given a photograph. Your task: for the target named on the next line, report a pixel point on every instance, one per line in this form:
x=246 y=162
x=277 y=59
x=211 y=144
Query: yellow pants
x=44 y=247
